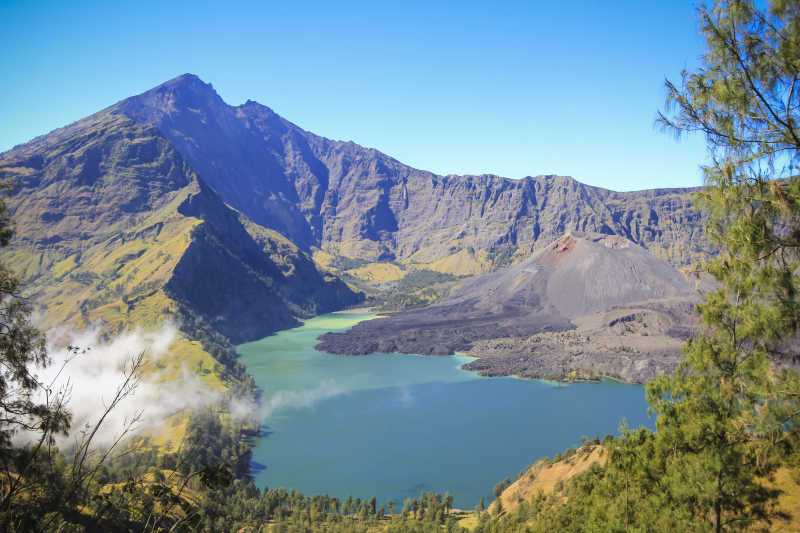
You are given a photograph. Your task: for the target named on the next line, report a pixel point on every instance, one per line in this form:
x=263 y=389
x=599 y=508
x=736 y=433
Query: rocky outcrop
x=633 y=343
x=584 y=306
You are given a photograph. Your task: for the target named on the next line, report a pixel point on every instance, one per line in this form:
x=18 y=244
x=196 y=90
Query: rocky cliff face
x=360 y=203
x=112 y=223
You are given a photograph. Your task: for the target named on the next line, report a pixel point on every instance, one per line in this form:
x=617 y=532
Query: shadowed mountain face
x=358 y=202
x=588 y=303
x=112 y=223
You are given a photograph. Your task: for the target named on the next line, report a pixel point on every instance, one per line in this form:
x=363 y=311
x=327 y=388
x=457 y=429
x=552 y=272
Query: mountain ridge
x=358 y=202
x=112 y=223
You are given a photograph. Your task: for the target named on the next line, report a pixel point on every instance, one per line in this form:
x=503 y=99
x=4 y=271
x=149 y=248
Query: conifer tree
x=728 y=415
x=27 y=406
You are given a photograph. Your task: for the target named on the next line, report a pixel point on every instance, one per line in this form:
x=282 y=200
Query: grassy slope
x=788 y=501
x=466 y=262
x=98 y=237
x=547 y=477
x=118 y=283
x=378 y=272
x=101 y=225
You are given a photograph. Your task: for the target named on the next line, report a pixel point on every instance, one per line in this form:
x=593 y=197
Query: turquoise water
x=390 y=425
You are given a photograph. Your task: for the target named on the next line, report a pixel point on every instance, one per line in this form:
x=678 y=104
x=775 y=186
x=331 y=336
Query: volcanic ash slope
x=586 y=305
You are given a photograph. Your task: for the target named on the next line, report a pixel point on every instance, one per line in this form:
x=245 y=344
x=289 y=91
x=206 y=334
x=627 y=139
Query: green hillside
x=113 y=227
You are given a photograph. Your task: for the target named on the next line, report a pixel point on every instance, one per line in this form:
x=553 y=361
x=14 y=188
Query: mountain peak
x=172 y=97
x=301 y=185
x=185 y=80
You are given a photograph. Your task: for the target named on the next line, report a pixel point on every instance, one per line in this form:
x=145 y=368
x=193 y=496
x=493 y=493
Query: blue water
x=390 y=425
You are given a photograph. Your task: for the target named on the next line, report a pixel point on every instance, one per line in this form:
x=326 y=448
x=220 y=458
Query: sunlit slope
x=378 y=272
x=548 y=478
x=113 y=227
x=466 y=262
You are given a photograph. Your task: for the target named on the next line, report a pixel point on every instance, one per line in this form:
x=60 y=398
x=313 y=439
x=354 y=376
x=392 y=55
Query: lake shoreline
x=322 y=412
x=354 y=311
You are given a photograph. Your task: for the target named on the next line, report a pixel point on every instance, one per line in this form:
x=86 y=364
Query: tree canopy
x=728 y=418
x=729 y=415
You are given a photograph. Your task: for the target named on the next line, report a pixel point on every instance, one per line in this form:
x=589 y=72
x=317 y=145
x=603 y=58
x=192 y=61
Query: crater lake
x=393 y=425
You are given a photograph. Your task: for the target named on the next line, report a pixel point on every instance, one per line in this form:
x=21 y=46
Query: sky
x=514 y=89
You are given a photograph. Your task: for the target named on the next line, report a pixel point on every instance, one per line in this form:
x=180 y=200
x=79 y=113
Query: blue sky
x=516 y=89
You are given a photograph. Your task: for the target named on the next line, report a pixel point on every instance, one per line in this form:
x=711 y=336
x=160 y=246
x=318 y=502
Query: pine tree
x=728 y=415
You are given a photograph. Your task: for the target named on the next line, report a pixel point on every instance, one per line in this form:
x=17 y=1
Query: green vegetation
x=388 y=286
x=341 y=263
x=503 y=257
x=377 y=272
x=417 y=289
x=465 y=262
x=728 y=418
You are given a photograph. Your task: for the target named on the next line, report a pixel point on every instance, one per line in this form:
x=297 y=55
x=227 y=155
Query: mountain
x=586 y=305
x=113 y=224
x=175 y=204
x=360 y=203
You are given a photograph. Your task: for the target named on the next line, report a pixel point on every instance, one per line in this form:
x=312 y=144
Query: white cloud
x=95 y=374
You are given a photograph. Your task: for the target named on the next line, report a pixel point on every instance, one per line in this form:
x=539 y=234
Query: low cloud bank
x=94 y=375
